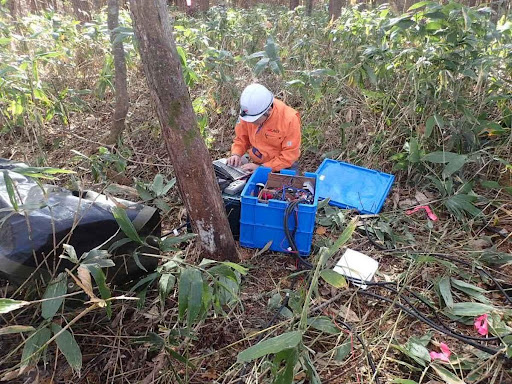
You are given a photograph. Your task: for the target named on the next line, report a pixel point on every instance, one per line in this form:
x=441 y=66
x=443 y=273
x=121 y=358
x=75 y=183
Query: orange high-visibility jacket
x=276 y=143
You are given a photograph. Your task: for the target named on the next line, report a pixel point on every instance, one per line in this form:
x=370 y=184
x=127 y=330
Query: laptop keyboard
x=227 y=171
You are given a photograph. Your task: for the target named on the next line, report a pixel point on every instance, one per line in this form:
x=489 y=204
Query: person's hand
x=250 y=167
x=234 y=161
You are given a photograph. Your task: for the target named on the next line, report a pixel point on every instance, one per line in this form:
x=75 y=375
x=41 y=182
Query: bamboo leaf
x=69 y=347
x=57 y=288
x=446 y=375
x=446 y=292
x=8 y=305
x=16 y=329
x=334 y=278
x=125 y=224
x=323 y=324
x=9 y=185
x=470 y=309
x=35 y=342
x=274 y=345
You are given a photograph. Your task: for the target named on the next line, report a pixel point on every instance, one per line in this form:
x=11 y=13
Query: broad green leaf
x=68 y=346
x=323 y=324
x=101 y=281
x=96 y=258
x=460 y=204
x=403 y=381
x=168 y=186
x=446 y=291
x=125 y=224
x=440 y=157
x=169 y=242
x=414 y=153
x=446 y=375
x=144 y=193
x=471 y=290
x=9 y=185
x=8 y=305
x=236 y=267
x=16 y=329
x=470 y=309
x=158 y=184
x=35 y=342
x=454 y=165
x=419 y=5
x=148 y=280
x=288 y=358
x=165 y=285
x=261 y=65
x=343 y=351
x=118 y=244
x=274 y=345
x=344 y=237
x=41 y=172
x=190 y=292
x=334 y=278
x=57 y=288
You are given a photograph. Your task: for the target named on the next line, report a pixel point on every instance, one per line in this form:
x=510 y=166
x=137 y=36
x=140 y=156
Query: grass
x=377 y=89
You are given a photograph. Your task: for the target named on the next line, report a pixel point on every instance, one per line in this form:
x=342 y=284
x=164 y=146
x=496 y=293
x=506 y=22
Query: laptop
x=228 y=172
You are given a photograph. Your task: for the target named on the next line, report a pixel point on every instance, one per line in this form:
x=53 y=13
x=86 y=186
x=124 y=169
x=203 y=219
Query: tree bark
x=309 y=7
x=294 y=4
x=13 y=8
x=334 y=9
x=204 y=5
x=187 y=150
x=82 y=10
x=121 y=108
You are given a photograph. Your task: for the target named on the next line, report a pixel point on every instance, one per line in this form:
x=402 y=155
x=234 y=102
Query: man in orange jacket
x=268 y=130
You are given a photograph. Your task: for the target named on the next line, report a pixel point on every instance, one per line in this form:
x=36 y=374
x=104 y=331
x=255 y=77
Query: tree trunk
x=82 y=10
x=13 y=8
x=309 y=7
x=334 y=9
x=187 y=150
x=204 y=5
x=294 y=4
x=121 y=108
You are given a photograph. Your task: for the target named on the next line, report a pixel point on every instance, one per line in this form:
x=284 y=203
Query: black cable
x=368 y=354
x=175 y=229
x=291 y=237
x=429 y=322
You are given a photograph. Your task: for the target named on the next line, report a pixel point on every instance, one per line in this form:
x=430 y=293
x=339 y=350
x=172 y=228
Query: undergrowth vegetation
x=426 y=95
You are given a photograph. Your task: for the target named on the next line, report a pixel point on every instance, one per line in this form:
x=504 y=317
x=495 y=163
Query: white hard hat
x=254 y=102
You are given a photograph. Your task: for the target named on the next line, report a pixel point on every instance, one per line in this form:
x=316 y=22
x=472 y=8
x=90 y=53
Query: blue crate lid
x=350 y=186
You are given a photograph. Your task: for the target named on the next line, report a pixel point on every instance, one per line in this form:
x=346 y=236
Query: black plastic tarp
x=48 y=216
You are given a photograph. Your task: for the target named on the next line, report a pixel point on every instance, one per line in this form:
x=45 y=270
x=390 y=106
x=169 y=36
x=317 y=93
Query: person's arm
x=241 y=142
x=290 y=149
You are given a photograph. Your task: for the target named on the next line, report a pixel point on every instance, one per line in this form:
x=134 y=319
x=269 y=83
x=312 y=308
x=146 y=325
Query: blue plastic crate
x=350 y=186
x=262 y=222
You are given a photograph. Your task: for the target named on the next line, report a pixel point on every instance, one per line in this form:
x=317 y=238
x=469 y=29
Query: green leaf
x=165 y=285
x=471 y=290
x=261 y=65
x=41 y=172
x=236 y=267
x=169 y=242
x=344 y=237
x=290 y=358
x=101 y=281
x=8 y=305
x=144 y=193
x=403 y=381
x=454 y=165
x=69 y=347
x=118 y=244
x=274 y=345
x=470 y=309
x=446 y=292
x=446 y=375
x=414 y=153
x=334 y=278
x=125 y=224
x=419 y=5
x=460 y=204
x=35 y=342
x=147 y=281
x=343 y=351
x=264 y=249
x=441 y=157
x=323 y=324
x=16 y=329
x=9 y=185
x=158 y=184
x=96 y=258
x=137 y=261
x=57 y=287
x=190 y=293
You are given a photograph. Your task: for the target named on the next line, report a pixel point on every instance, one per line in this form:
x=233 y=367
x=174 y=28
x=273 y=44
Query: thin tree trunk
x=309 y=7
x=82 y=10
x=187 y=150
x=204 y=5
x=294 y=4
x=121 y=108
x=13 y=8
x=334 y=9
